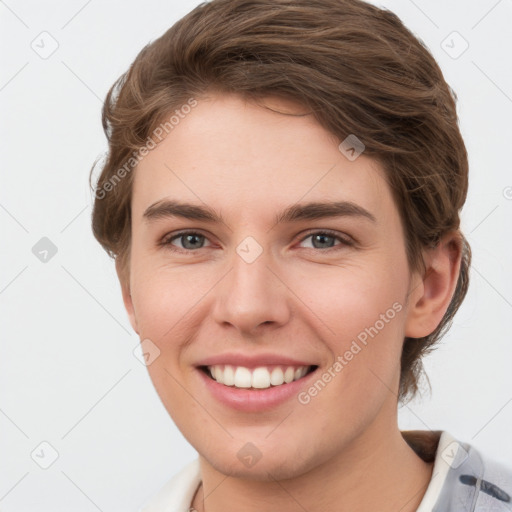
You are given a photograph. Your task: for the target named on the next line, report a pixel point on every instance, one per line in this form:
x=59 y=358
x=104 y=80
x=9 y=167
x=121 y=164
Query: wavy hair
x=358 y=70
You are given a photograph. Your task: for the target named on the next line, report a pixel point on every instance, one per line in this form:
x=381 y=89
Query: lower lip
x=254 y=400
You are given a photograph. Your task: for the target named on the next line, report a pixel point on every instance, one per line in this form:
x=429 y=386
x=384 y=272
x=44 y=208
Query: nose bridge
x=250 y=294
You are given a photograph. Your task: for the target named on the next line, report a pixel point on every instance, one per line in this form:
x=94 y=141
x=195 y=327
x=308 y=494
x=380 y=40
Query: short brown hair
x=359 y=71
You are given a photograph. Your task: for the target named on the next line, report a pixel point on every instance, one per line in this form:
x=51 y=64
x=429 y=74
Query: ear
x=430 y=295
x=124 y=281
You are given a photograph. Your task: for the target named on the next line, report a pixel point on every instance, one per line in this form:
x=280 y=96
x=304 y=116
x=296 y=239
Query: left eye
x=192 y=240
x=323 y=237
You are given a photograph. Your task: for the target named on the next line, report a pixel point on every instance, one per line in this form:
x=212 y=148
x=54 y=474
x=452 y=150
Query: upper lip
x=252 y=361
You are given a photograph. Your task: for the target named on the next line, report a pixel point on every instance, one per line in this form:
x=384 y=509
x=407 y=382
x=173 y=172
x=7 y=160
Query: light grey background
x=69 y=376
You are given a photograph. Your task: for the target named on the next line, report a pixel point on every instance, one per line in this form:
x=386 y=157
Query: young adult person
x=281 y=196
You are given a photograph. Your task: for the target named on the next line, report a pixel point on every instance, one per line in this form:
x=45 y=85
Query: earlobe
x=126 y=292
x=431 y=294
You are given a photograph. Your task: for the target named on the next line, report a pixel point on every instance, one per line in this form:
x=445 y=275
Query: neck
x=374 y=473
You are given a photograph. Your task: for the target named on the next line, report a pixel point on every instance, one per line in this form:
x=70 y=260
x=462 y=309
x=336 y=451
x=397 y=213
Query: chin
x=270 y=466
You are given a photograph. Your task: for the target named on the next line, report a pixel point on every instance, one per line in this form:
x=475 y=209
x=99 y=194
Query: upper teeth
x=261 y=377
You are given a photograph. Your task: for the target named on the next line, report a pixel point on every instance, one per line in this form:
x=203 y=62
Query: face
x=273 y=282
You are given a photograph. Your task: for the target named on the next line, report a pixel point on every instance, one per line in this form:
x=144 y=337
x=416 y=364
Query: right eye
x=190 y=241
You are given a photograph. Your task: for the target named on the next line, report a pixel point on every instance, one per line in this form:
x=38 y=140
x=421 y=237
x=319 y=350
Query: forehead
x=243 y=159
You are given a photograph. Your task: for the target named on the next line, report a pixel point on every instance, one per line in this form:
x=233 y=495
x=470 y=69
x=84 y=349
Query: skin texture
x=343 y=450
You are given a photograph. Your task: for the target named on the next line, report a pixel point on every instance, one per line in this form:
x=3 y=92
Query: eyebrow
x=295 y=213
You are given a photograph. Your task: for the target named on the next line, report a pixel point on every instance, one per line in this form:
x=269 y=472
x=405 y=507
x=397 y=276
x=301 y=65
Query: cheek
x=165 y=298
x=358 y=310
x=349 y=298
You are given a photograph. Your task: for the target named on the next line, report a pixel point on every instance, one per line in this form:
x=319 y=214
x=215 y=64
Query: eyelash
x=166 y=241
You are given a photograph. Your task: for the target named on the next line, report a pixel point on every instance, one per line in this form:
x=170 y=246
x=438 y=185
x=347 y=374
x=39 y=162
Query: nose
x=251 y=296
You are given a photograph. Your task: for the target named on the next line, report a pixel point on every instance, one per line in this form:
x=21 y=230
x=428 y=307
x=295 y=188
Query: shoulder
x=464 y=478
x=176 y=495
x=476 y=482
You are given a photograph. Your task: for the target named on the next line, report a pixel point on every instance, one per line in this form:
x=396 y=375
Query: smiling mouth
x=262 y=377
